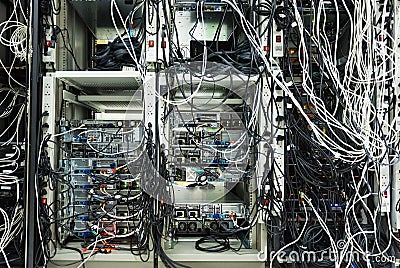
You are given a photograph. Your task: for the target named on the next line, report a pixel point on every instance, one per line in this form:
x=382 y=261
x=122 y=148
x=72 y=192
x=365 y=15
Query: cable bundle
x=13 y=37
x=18 y=38
x=117 y=54
x=328 y=102
x=11 y=177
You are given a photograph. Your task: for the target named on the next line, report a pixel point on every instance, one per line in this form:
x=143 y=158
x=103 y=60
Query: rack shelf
x=104 y=91
x=183 y=251
x=101 y=80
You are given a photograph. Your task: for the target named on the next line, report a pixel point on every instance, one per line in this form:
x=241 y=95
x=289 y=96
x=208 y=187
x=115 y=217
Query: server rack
x=111 y=94
x=76 y=106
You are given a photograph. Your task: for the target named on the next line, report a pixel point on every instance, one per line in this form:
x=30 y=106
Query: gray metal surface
x=99 y=80
x=187 y=20
x=105 y=90
x=97 y=15
x=183 y=252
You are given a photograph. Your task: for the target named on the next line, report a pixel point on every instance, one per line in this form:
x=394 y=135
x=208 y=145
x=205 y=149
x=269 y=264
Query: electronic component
x=216 y=126
x=100 y=182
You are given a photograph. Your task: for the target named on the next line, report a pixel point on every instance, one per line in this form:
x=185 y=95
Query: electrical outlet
x=150 y=99
x=48 y=104
x=50 y=56
x=277 y=40
x=49 y=52
x=384 y=189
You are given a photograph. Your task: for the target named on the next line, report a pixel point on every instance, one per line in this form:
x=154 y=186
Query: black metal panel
x=32 y=144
